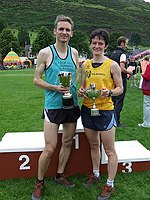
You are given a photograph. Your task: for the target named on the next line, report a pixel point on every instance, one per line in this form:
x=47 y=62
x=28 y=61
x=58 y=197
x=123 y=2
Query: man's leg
x=50 y=135
x=67 y=139
x=119 y=101
x=135 y=85
x=130 y=80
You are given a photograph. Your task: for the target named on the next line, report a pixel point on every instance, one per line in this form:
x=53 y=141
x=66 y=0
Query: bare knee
x=94 y=146
x=49 y=150
x=111 y=154
x=67 y=142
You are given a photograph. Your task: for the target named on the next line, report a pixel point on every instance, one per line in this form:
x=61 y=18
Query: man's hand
x=81 y=92
x=130 y=72
x=62 y=89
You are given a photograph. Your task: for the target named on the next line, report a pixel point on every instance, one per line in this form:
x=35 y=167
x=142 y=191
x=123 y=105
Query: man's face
x=125 y=45
x=63 y=31
x=98 y=46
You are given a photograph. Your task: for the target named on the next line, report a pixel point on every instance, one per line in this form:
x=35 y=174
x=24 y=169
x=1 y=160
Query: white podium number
x=128 y=167
x=24 y=166
x=76 y=138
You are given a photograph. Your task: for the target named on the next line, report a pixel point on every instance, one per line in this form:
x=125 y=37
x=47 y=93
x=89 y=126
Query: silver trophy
x=92 y=93
x=65 y=80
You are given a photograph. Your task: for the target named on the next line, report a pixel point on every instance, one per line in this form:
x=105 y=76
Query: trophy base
x=68 y=102
x=94 y=112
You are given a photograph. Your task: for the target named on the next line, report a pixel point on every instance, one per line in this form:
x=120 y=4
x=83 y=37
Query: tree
x=113 y=40
x=8 y=41
x=3 y=24
x=80 y=41
x=23 y=36
x=44 y=38
x=135 y=39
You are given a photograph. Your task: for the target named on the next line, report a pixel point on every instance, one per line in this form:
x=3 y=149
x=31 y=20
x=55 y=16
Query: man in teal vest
x=54 y=60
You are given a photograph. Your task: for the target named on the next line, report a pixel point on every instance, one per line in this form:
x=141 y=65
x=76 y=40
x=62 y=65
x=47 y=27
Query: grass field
x=20 y=111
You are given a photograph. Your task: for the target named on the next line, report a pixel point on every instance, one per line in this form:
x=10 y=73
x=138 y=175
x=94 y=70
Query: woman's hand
x=104 y=92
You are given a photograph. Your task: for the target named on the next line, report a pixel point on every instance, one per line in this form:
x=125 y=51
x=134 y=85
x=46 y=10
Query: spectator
x=120 y=57
x=133 y=65
x=146 y=101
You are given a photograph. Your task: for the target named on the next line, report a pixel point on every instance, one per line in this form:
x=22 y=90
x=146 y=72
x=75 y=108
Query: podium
x=19 y=153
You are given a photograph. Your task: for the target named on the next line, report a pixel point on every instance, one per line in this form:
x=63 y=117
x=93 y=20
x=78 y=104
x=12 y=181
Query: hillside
x=126 y=15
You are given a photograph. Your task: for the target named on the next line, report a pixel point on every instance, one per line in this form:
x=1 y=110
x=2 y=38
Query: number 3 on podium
x=128 y=167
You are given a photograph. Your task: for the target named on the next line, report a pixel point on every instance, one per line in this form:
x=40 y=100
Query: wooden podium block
x=22 y=159
x=19 y=153
x=132 y=156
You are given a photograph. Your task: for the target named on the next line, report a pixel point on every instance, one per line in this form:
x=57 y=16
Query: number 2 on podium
x=24 y=166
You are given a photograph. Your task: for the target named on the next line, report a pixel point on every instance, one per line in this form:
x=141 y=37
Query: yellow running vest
x=101 y=76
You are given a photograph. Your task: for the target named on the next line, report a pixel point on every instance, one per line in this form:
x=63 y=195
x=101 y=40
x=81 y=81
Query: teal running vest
x=53 y=99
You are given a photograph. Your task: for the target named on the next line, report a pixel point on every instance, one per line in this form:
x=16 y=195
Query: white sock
x=96 y=173
x=110 y=183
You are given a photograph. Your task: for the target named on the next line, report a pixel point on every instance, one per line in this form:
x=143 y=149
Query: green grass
x=20 y=110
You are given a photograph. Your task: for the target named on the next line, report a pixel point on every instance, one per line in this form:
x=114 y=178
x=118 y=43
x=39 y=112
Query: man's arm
x=40 y=67
x=76 y=60
x=42 y=59
x=123 y=65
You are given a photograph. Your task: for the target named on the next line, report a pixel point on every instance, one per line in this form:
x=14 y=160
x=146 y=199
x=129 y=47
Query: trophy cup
x=65 y=80
x=92 y=93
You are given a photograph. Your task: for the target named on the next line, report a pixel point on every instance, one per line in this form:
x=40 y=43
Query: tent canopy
x=11 y=59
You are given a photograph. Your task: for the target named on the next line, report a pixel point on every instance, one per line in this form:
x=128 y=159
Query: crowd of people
x=99 y=114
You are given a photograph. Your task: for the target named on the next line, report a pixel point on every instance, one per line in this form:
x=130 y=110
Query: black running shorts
x=61 y=116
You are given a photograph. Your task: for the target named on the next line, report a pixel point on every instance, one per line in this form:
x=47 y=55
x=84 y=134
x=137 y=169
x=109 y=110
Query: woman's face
x=97 y=46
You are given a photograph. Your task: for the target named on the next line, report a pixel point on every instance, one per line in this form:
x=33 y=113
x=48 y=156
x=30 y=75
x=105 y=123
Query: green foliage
x=3 y=24
x=135 y=39
x=113 y=39
x=128 y=16
x=44 y=38
x=80 y=41
x=23 y=36
x=8 y=41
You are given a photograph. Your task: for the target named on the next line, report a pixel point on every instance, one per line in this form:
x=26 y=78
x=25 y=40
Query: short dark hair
x=102 y=34
x=64 y=18
x=121 y=39
x=146 y=58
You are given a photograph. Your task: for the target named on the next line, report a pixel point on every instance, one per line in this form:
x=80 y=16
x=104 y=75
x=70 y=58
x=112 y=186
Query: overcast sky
x=147 y=0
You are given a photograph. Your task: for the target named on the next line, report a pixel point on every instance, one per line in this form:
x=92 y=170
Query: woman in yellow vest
x=101 y=79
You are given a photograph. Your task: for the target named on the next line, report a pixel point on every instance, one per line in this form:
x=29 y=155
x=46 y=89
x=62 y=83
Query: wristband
x=110 y=93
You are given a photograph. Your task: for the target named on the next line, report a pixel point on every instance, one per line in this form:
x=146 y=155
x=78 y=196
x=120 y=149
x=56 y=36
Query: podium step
x=19 y=153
